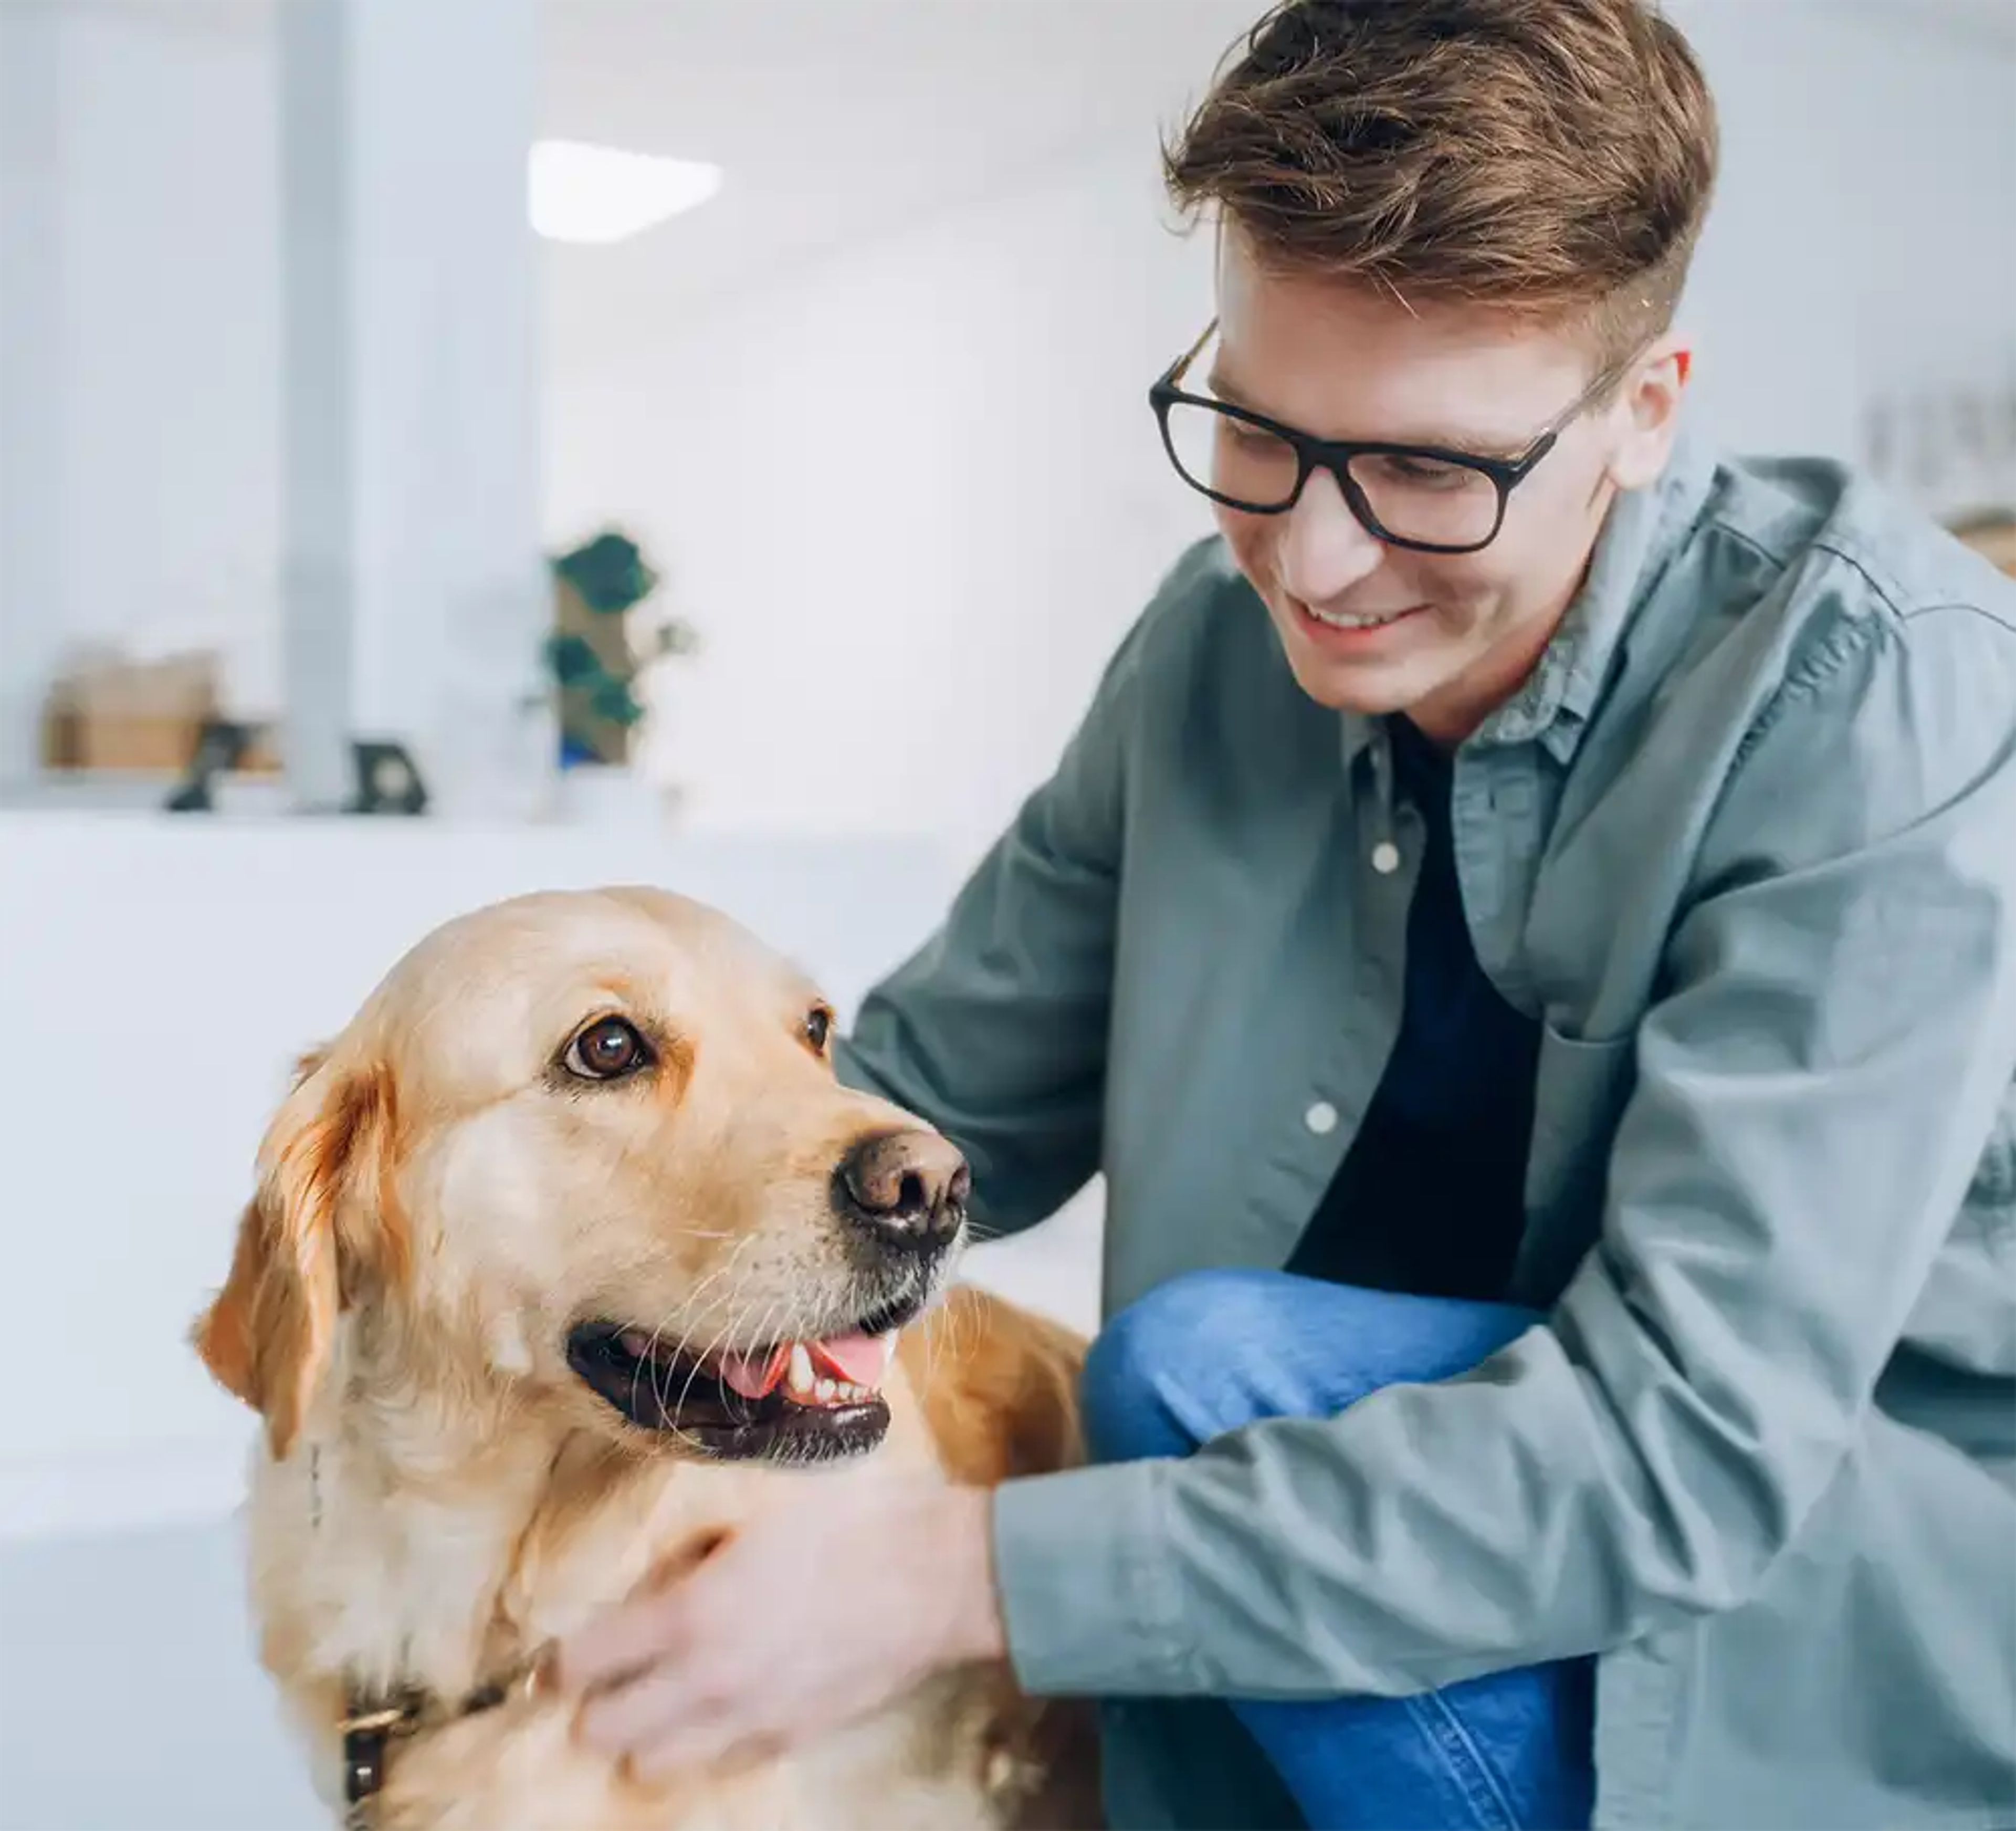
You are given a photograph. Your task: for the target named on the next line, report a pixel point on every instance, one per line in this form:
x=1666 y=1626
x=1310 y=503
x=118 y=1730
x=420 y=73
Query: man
x=1553 y=891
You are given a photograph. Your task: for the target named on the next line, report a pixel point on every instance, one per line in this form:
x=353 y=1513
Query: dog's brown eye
x=819 y=1027
x=607 y=1050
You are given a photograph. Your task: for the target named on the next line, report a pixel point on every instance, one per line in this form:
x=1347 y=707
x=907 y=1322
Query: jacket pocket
x=1966 y=1314
x=1991 y=1197
x=1580 y=1087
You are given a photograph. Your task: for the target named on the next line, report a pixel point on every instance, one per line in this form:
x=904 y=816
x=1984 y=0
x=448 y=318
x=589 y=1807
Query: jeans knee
x=1141 y=1364
x=1210 y=1351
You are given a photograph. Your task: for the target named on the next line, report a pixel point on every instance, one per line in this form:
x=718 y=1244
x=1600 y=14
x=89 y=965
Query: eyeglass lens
x=1429 y=501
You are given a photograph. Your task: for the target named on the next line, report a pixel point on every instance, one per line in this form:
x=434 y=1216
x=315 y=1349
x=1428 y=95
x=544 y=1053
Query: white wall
x=912 y=498
x=166 y=498
x=901 y=625
x=32 y=408
x=1863 y=244
x=417 y=599
x=913 y=494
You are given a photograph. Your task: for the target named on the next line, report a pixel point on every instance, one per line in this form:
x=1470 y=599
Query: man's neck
x=1447 y=717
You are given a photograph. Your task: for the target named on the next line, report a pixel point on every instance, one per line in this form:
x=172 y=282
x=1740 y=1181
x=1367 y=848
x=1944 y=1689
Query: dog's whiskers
x=658 y=1335
x=683 y=1341
x=940 y=1330
x=729 y=1328
x=734 y=1326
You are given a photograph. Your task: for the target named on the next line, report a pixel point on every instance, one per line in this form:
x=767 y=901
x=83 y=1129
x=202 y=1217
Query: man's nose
x=1325 y=548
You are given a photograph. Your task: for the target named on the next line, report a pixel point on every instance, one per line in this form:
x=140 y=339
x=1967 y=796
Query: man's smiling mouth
x=1351 y=620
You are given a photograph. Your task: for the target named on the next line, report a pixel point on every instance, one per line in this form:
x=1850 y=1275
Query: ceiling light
x=580 y=193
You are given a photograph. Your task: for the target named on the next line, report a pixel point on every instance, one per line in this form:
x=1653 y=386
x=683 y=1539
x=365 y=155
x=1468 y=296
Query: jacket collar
x=1642 y=533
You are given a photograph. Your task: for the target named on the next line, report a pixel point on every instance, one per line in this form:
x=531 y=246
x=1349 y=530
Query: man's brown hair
x=1555 y=157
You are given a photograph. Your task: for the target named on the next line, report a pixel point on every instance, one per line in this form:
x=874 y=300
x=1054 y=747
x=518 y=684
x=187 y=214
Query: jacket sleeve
x=996 y=1030
x=1816 y=1081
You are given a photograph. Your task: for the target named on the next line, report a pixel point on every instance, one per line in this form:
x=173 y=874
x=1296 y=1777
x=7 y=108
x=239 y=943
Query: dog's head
x=590 y=1147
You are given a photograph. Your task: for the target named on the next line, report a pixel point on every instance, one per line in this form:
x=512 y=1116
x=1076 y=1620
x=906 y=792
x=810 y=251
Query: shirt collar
x=1643 y=530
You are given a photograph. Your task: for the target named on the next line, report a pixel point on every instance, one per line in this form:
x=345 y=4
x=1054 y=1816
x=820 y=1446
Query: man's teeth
x=1342 y=620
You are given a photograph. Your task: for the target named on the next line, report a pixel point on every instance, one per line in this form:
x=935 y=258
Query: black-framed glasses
x=1424 y=498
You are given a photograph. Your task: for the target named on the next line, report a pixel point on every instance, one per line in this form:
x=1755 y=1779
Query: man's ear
x=1650 y=398
x=323 y=1212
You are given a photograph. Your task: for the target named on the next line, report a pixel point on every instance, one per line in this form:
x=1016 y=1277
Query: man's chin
x=1349 y=685
x=1389 y=671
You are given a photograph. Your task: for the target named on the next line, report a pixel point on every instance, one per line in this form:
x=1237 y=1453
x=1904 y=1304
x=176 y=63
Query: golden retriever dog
x=567 y=1255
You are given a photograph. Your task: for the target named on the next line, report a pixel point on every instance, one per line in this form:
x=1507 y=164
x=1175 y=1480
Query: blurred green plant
x=597 y=652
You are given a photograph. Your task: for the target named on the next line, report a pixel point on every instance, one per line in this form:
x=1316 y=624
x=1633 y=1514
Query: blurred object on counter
x=110 y=711
x=1991 y=532
x=1946 y=449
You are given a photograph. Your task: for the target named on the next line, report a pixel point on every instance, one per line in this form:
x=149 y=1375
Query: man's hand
x=816 y=1614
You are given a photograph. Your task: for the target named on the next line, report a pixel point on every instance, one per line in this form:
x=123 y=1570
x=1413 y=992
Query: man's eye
x=819 y=1027
x=1252 y=439
x=1426 y=473
x=606 y=1051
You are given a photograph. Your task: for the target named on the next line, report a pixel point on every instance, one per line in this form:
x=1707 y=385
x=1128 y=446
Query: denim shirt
x=1744 y=846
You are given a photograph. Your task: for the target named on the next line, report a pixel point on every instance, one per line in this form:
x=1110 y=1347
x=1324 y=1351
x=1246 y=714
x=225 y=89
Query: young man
x=1528 y=929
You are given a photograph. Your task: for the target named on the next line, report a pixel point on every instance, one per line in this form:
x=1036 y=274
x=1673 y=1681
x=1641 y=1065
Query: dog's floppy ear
x=322 y=1214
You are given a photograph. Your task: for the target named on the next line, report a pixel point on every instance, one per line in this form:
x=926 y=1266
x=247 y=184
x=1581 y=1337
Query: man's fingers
x=633 y=1719
x=620 y=1644
x=630 y=1637
x=703 y=1744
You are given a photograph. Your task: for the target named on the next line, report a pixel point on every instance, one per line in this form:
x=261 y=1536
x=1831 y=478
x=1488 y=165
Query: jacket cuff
x=1087 y=1584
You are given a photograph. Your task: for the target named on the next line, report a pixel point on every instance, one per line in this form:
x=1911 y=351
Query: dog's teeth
x=635 y=1342
x=889 y=1348
x=824 y=1392
x=800 y=1378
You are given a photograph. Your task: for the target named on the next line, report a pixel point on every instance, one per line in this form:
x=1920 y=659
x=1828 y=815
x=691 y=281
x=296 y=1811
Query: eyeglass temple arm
x=1182 y=364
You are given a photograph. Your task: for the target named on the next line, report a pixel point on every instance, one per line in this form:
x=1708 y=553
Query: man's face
x=1333 y=359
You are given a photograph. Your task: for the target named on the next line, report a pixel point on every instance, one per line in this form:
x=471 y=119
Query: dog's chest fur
x=390 y=1563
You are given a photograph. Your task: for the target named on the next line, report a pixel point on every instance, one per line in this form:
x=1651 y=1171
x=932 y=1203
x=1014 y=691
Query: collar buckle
x=368 y=1735
x=370 y=1727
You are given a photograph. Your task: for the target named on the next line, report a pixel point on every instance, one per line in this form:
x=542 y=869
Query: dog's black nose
x=908 y=1188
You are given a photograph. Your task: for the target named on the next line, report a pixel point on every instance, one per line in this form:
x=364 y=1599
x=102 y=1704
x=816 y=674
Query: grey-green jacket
x=1746 y=845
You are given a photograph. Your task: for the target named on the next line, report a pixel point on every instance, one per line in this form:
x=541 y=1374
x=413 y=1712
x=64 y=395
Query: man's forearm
x=1413 y=1542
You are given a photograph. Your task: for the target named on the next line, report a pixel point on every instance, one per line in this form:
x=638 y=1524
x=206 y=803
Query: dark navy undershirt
x=1430 y=1198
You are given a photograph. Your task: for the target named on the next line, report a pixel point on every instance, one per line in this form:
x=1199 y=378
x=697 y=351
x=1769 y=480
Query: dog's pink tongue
x=863 y=1358
x=753 y=1376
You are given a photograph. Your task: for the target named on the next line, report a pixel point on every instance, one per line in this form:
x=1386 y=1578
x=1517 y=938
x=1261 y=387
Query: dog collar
x=373 y=1722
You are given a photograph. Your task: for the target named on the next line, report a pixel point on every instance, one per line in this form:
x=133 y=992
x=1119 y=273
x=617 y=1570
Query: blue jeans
x=1212 y=1351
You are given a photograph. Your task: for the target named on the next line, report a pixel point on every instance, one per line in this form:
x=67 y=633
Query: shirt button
x=1321 y=1119
x=1385 y=858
